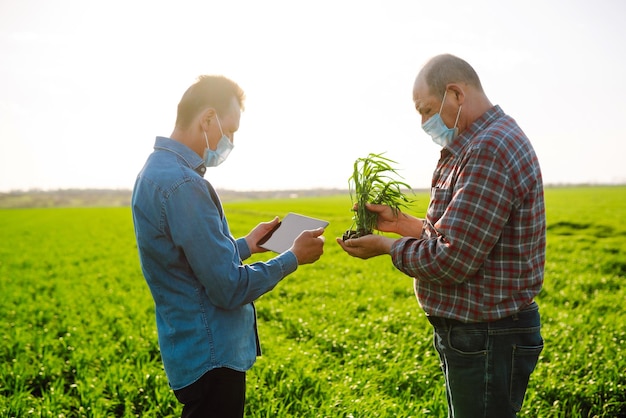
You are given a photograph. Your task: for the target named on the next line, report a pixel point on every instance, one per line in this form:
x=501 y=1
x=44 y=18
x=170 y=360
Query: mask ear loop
x=443 y=101
x=457 y=116
x=219 y=124
x=206 y=139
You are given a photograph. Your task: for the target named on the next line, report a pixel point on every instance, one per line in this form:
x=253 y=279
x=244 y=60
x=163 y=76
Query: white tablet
x=281 y=238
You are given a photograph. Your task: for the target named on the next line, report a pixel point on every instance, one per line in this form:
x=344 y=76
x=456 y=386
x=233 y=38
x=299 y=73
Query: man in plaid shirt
x=478 y=257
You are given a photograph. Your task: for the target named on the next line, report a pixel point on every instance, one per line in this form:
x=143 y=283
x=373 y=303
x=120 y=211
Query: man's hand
x=386 y=220
x=259 y=232
x=398 y=223
x=309 y=246
x=368 y=246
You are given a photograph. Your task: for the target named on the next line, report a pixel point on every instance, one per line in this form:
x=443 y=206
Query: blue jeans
x=487 y=365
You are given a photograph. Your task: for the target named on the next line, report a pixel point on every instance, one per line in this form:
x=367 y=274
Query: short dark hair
x=214 y=91
x=444 y=69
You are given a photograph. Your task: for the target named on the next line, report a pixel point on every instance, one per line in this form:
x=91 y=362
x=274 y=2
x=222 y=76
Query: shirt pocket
x=439 y=201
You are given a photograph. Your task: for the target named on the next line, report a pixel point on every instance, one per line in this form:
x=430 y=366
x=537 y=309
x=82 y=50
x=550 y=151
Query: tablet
x=281 y=238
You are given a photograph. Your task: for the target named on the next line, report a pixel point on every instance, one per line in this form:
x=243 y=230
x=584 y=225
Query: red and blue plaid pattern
x=481 y=256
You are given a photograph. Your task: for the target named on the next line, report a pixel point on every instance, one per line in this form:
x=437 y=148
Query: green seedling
x=373 y=181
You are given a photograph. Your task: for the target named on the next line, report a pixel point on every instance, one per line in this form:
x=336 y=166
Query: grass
x=341 y=338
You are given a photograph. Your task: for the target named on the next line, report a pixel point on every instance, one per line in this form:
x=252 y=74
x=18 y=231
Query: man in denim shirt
x=478 y=257
x=203 y=292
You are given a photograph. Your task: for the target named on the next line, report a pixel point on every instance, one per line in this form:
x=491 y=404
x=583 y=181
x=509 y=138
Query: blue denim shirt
x=202 y=290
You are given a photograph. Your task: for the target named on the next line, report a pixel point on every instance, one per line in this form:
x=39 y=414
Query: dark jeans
x=220 y=393
x=487 y=365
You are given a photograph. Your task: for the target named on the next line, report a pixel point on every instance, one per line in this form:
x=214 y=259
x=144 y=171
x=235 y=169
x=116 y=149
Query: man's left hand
x=259 y=232
x=368 y=246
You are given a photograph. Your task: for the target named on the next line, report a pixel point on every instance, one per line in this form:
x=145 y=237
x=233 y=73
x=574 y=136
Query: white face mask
x=437 y=129
x=213 y=158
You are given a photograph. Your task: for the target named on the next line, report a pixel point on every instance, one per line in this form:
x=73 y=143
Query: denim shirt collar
x=183 y=151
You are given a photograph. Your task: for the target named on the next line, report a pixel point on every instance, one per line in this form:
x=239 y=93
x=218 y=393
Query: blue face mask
x=213 y=158
x=437 y=129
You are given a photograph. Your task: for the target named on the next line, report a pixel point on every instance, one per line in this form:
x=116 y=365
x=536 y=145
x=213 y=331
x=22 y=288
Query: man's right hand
x=309 y=246
x=397 y=223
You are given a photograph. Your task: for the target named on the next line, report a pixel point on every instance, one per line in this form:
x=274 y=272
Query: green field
x=341 y=338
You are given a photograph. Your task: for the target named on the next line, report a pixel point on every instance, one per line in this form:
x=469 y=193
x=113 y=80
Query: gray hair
x=444 y=69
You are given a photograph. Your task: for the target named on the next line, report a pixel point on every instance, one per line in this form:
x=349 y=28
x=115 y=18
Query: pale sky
x=86 y=86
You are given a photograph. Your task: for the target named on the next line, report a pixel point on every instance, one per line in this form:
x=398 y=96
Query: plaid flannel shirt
x=481 y=255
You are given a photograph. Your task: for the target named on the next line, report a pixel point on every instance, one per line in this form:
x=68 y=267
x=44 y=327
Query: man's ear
x=206 y=116
x=458 y=92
